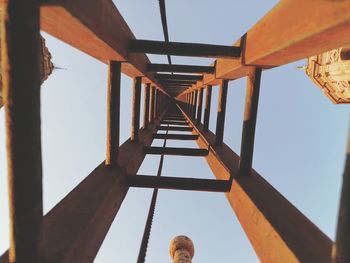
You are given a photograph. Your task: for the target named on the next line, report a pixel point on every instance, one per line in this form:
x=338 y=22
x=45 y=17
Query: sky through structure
x=299 y=145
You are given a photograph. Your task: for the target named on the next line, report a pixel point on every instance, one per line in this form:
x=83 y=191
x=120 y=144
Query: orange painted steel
x=20 y=66
x=262 y=210
x=113 y=112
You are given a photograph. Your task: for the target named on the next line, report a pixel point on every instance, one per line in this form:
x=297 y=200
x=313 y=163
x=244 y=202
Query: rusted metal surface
x=176 y=151
x=113 y=112
x=174 y=128
x=151 y=105
x=136 y=97
x=341 y=248
x=207 y=108
x=261 y=211
x=177 y=77
x=179 y=183
x=184 y=49
x=220 y=121
x=146 y=104
x=80 y=25
x=195 y=101
x=179 y=68
x=76 y=227
x=184 y=137
x=20 y=43
x=174 y=122
x=200 y=105
x=249 y=122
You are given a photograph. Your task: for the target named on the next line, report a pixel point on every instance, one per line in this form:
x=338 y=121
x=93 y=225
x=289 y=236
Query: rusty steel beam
x=249 y=122
x=146 y=104
x=183 y=49
x=136 y=97
x=341 y=248
x=220 y=121
x=176 y=151
x=174 y=122
x=113 y=112
x=174 y=128
x=195 y=104
x=155 y=103
x=326 y=28
x=261 y=210
x=179 y=68
x=20 y=44
x=76 y=227
x=169 y=136
x=177 y=77
x=207 y=108
x=179 y=183
x=151 y=105
x=200 y=105
x=175 y=81
x=79 y=24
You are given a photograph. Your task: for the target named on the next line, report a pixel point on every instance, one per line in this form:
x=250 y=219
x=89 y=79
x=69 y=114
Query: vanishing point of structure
x=74 y=229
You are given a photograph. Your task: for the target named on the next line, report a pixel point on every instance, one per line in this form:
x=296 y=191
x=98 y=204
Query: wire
x=147 y=232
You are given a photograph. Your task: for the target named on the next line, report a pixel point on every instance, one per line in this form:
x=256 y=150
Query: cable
x=147 y=232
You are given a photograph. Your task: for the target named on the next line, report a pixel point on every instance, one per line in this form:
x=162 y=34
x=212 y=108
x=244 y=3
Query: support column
x=113 y=112
x=207 y=108
x=200 y=103
x=151 y=105
x=191 y=104
x=341 y=247
x=195 y=104
x=20 y=44
x=136 y=94
x=146 y=104
x=250 y=113
x=155 y=104
x=220 y=121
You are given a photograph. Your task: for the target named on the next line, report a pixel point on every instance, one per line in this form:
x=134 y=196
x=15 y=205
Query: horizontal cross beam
x=176 y=151
x=169 y=136
x=174 y=128
x=175 y=81
x=178 y=183
x=264 y=212
x=160 y=76
x=184 y=49
x=174 y=122
x=179 y=68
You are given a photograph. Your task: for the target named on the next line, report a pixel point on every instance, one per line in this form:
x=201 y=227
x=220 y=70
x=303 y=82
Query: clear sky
x=300 y=138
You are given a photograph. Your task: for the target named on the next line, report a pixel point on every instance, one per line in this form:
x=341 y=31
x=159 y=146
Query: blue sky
x=300 y=138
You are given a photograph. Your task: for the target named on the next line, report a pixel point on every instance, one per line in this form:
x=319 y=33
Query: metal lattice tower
x=74 y=229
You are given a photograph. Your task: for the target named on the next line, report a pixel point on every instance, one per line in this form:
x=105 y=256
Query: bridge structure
x=75 y=228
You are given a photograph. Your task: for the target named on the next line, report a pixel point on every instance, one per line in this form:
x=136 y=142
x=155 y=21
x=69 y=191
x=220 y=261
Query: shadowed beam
x=176 y=151
x=179 y=68
x=278 y=231
x=21 y=90
x=76 y=227
x=177 y=77
x=113 y=112
x=178 y=183
x=341 y=248
x=169 y=136
x=250 y=114
x=79 y=24
x=174 y=122
x=181 y=82
x=175 y=128
x=184 y=49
